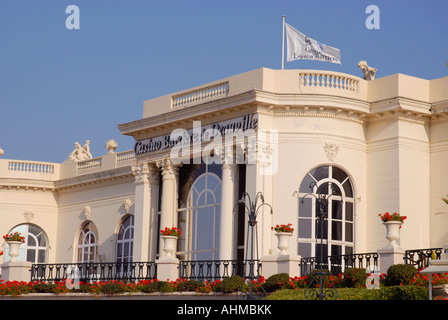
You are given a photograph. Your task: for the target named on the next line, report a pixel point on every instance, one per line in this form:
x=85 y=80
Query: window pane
x=31 y=255
x=336 y=250
x=305 y=228
x=31 y=241
x=335 y=190
x=348 y=189
x=41 y=240
x=336 y=230
x=201 y=200
x=307 y=184
x=349 y=232
x=126 y=249
x=305 y=207
x=349 y=211
x=212 y=182
x=338 y=174
x=348 y=250
x=305 y=249
x=119 y=250
x=41 y=256
x=320 y=173
x=336 y=209
x=323 y=188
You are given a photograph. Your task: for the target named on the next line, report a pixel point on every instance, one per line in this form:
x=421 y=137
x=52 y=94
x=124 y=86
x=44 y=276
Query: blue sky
x=59 y=86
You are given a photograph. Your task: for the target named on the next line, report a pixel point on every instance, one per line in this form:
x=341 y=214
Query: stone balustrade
x=201 y=94
x=50 y=172
x=34 y=170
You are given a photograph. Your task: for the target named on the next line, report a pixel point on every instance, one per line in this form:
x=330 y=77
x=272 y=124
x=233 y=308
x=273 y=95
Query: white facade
x=382 y=143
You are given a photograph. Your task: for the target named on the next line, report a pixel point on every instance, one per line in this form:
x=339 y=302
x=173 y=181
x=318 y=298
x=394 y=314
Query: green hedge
x=229 y=285
x=400 y=274
x=384 y=293
x=275 y=282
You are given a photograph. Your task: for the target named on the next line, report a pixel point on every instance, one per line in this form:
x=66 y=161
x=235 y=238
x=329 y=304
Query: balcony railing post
x=90 y=272
x=339 y=263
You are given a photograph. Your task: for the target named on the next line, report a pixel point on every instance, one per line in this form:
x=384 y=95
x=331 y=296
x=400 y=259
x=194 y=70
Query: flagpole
x=283 y=43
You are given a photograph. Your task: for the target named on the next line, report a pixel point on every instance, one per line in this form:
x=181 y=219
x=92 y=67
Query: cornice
x=26 y=184
x=92 y=179
x=165 y=123
x=313 y=111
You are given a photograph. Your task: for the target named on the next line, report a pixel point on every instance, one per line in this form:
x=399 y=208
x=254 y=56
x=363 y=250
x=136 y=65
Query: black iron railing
x=420 y=257
x=91 y=272
x=338 y=263
x=212 y=270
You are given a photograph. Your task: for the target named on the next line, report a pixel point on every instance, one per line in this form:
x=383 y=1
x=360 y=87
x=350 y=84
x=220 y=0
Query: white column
x=168 y=215
x=144 y=187
x=226 y=236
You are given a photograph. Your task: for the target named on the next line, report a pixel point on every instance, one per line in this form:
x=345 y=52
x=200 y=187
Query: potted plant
x=393 y=224
x=170 y=236
x=283 y=233
x=14 y=240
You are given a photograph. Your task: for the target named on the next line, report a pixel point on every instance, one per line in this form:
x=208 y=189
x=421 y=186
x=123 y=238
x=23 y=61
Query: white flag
x=299 y=46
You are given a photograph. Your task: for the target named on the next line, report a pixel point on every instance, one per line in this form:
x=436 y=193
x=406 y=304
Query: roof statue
x=368 y=72
x=111 y=145
x=2 y=151
x=81 y=153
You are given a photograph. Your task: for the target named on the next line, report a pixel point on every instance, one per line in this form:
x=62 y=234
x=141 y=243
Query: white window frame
x=90 y=247
x=314 y=240
x=128 y=238
x=191 y=212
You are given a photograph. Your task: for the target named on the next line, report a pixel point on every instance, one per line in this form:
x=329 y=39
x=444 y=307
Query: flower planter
x=393 y=232
x=169 y=246
x=14 y=249
x=283 y=242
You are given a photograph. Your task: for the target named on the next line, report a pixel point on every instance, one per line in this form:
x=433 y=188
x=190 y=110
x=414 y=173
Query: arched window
x=125 y=240
x=338 y=228
x=35 y=247
x=199 y=220
x=88 y=243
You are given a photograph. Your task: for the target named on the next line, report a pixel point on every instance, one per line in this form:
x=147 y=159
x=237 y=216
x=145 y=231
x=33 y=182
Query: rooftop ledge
x=298 y=82
x=35 y=174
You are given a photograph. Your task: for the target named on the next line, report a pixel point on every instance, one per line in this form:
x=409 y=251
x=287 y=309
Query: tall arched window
x=35 y=247
x=88 y=243
x=125 y=240
x=199 y=220
x=338 y=228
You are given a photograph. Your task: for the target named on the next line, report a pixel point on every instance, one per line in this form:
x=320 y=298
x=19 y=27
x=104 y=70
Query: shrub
x=355 y=277
x=276 y=282
x=400 y=274
x=404 y=293
x=230 y=284
x=190 y=285
x=43 y=288
x=158 y=286
x=385 y=293
x=112 y=288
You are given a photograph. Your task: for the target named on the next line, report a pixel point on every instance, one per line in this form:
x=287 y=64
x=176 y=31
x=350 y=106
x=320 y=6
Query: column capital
x=145 y=173
x=168 y=168
x=227 y=156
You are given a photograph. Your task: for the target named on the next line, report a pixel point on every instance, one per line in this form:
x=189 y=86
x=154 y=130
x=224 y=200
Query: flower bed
x=351 y=279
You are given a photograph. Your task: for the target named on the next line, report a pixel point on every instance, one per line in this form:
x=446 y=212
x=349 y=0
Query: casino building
x=370 y=146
